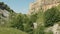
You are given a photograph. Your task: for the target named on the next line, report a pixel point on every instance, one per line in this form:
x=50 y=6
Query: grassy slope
x=10 y=31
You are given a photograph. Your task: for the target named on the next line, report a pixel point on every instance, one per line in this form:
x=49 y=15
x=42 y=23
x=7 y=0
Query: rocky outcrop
x=42 y=5
x=55 y=29
x=4 y=16
x=4 y=13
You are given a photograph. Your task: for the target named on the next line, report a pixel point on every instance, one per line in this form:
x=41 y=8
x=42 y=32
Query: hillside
x=5 y=14
x=42 y=22
x=4 y=6
x=4 y=30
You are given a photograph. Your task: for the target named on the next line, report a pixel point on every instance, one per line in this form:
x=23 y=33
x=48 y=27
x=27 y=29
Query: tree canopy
x=52 y=16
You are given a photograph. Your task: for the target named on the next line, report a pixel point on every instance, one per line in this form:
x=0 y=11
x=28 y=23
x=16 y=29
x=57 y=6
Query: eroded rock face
x=55 y=29
x=42 y=4
x=4 y=16
x=35 y=25
x=4 y=13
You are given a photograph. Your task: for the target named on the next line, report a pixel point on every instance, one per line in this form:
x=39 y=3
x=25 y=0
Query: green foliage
x=5 y=6
x=39 y=30
x=17 y=22
x=24 y=23
x=21 y=22
x=33 y=17
x=40 y=17
x=52 y=16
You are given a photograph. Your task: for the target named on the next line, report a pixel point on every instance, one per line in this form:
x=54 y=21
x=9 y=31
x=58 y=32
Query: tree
x=17 y=21
x=21 y=22
x=5 y=6
x=52 y=16
x=33 y=17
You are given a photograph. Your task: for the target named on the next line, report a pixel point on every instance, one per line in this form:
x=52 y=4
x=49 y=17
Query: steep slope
x=5 y=14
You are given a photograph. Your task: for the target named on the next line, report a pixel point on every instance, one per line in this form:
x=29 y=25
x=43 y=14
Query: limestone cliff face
x=4 y=16
x=42 y=4
x=55 y=28
x=45 y=7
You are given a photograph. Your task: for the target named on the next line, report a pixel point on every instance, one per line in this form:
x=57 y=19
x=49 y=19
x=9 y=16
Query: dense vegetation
x=52 y=16
x=19 y=23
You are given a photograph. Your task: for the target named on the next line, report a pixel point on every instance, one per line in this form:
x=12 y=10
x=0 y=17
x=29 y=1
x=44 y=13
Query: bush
x=52 y=16
x=39 y=30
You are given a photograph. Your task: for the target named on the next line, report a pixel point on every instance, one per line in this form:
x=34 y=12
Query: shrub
x=52 y=16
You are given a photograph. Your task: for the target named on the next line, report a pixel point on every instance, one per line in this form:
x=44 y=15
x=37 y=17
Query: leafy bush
x=17 y=22
x=5 y=6
x=39 y=30
x=22 y=22
x=52 y=16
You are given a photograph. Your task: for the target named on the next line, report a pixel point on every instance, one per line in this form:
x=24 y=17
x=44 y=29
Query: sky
x=19 y=6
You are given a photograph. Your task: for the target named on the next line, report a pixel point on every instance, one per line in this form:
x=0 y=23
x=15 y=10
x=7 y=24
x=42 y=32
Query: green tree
x=5 y=6
x=52 y=16
x=22 y=22
x=17 y=22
